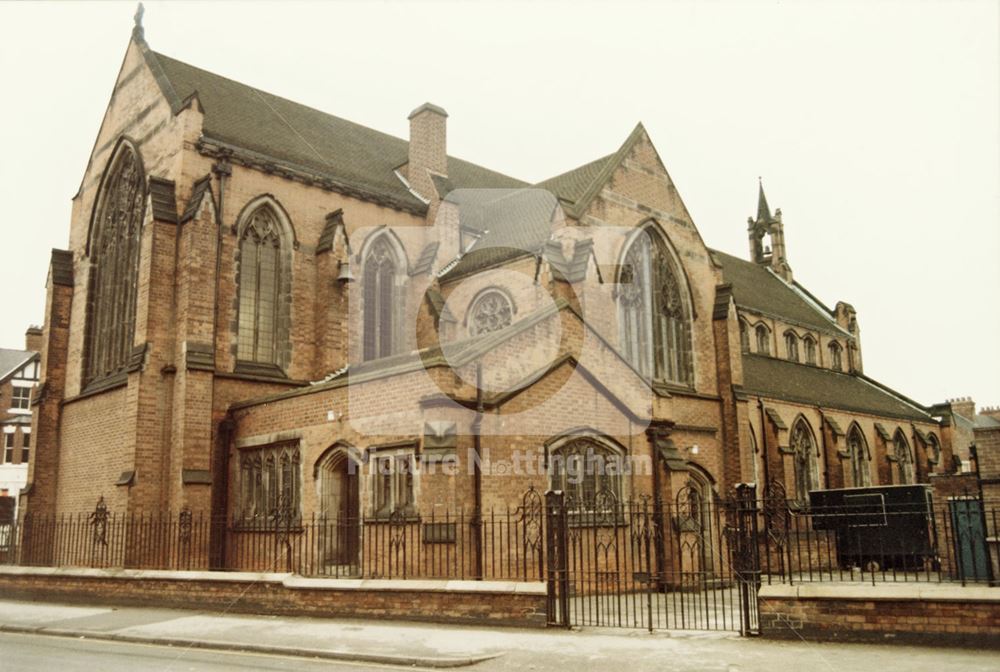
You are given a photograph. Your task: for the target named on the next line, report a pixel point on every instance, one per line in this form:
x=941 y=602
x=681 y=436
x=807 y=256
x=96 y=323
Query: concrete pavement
x=488 y=649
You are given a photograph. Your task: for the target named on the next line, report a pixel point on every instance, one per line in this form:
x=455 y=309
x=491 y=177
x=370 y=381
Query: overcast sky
x=875 y=125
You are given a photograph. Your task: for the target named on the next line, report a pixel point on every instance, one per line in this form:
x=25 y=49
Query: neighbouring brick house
x=257 y=296
x=19 y=371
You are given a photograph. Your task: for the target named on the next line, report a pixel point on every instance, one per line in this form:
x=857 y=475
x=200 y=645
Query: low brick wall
x=493 y=602
x=908 y=613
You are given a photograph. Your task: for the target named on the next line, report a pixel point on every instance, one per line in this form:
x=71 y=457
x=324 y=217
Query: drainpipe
x=477 y=475
x=763 y=444
x=220 y=501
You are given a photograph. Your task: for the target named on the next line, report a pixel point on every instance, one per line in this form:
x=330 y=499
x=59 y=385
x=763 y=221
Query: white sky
x=876 y=126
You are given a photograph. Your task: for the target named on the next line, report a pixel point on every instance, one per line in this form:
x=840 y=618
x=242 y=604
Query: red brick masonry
x=912 y=613
x=496 y=602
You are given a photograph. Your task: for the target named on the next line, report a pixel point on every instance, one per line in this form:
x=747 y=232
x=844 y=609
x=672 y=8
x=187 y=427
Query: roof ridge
x=262 y=92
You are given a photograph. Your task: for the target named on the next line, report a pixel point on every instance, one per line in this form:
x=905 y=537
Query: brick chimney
x=991 y=411
x=964 y=406
x=428 y=149
x=33 y=339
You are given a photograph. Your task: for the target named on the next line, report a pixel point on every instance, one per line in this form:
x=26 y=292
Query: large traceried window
x=655 y=330
x=804 y=453
x=857 y=447
x=589 y=472
x=260 y=284
x=491 y=311
x=270 y=488
x=903 y=458
x=113 y=251
x=381 y=296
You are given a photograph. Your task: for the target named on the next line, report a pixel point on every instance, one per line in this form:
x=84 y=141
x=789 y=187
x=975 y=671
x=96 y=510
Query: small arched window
x=804 y=453
x=903 y=458
x=791 y=346
x=114 y=264
x=589 y=472
x=809 y=344
x=933 y=449
x=491 y=311
x=857 y=447
x=655 y=329
x=763 y=340
x=744 y=337
x=836 y=356
x=381 y=299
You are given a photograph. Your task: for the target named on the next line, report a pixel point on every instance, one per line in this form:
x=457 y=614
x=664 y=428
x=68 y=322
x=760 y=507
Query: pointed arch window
x=809 y=345
x=857 y=447
x=259 y=287
x=381 y=292
x=763 y=335
x=491 y=311
x=114 y=264
x=836 y=356
x=744 y=337
x=804 y=453
x=655 y=329
x=791 y=346
x=903 y=459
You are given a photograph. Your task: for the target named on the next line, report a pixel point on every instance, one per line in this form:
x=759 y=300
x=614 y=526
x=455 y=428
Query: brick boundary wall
x=929 y=614
x=493 y=602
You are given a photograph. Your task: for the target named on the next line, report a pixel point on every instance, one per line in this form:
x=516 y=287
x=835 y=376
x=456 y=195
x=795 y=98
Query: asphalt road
x=39 y=653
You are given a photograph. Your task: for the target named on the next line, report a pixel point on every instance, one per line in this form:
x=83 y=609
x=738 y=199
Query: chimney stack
x=963 y=406
x=33 y=339
x=428 y=149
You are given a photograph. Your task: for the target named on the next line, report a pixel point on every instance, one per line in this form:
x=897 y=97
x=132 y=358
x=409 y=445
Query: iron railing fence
x=500 y=544
x=956 y=540
x=690 y=542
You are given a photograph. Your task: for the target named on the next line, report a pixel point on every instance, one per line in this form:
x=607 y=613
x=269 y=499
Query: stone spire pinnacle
x=763 y=211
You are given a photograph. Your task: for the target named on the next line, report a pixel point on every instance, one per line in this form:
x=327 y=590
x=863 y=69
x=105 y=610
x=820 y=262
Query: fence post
x=747 y=557
x=557 y=576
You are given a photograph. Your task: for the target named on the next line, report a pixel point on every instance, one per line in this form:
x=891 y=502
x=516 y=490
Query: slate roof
x=516 y=223
x=985 y=422
x=758 y=289
x=779 y=379
x=11 y=360
x=572 y=185
x=303 y=137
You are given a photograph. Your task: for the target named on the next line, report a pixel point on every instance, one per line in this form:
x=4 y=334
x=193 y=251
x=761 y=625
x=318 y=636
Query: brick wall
x=500 y=603
x=915 y=613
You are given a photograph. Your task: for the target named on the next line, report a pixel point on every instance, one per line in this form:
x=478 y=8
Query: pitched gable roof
x=779 y=379
x=302 y=137
x=758 y=289
x=12 y=360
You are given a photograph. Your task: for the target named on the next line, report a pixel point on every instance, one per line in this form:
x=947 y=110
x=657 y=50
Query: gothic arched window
x=114 y=264
x=903 y=458
x=381 y=274
x=857 y=447
x=763 y=340
x=589 y=472
x=491 y=311
x=836 y=356
x=804 y=453
x=744 y=337
x=809 y=343
x=260 y=284
x=655 y=332
x=792 y=346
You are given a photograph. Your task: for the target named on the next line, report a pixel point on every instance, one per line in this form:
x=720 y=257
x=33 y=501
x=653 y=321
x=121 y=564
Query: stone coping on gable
x=291 y=581
x=882 y=592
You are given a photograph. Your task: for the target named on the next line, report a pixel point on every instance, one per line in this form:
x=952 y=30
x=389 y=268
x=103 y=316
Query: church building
x=263 y=307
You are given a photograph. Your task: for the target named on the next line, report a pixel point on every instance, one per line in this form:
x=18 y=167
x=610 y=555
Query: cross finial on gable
x=137 y=30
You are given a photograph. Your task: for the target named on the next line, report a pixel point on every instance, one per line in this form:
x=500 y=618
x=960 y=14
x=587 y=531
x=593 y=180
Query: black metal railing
x=951 y=541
